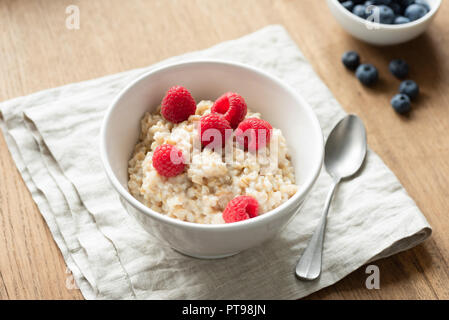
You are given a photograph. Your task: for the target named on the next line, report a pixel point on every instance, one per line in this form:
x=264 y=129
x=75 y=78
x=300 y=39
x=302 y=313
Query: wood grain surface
x=38 y=52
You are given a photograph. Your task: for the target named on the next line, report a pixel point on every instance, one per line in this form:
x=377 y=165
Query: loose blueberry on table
x=399 y=68
x=410 y=88
x=351 y=60
x=367 y=74
x=401 y=103
x=390 y=11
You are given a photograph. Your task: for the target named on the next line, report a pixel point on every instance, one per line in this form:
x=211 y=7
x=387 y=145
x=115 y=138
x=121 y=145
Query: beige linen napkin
x=53 y=137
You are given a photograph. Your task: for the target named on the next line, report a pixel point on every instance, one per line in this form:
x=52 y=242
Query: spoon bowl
x=345 y=148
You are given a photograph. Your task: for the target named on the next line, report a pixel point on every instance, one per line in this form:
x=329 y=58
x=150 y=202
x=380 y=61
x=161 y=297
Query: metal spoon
x=345 y=151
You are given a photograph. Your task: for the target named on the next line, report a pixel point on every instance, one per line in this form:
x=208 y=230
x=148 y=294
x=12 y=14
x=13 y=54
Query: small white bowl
x=279 y=104
x=381 y=34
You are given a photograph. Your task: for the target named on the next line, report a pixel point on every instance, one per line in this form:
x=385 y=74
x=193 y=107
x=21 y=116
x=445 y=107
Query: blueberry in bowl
x=401 y=20
x=423 y=3
x=396 y=7
x=348 y=5
x=360 y=11
x=384 y=22
x=384 y=2
x=415 y=11
x=386 y=14
x=386 y=11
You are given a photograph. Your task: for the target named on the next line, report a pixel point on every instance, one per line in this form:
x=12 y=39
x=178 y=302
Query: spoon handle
x=309 y=265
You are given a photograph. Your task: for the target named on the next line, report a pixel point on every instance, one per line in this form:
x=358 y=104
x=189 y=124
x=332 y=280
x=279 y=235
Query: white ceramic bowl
x=381 y=34
x=207 y=80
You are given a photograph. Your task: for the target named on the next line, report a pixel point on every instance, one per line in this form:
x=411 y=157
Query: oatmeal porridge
x=200 y=189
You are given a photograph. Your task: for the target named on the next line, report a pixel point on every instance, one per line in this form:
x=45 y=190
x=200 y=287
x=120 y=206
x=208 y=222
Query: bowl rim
x=303 y=189
x=379 y=26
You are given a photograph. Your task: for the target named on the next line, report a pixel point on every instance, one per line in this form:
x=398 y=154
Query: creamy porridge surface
x=202 y=191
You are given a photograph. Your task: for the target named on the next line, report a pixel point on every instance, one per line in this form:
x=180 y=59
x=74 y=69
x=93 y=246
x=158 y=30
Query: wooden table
x=38 y=52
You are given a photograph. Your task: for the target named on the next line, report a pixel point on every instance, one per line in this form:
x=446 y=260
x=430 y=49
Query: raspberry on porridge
x=232 y=106
x=212 y=177
x=241 y=208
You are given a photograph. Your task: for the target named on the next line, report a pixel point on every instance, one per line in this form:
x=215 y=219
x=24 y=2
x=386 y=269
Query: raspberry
x=178 y=104
x=232 y=106
x=168 y=160
x=241 y=208
x=213 y=121
x=253 y=133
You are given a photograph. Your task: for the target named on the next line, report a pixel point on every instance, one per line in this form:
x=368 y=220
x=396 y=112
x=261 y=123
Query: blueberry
x=367 y=74
x=406 y=3
x=401 y=103
x=351 y=60
x=384 y=2
x=423 y=3
x=369 y=3
x=360 y=10
x=415 y=11
x=401 y=20
x=386 y=14
x=396 y=7
x=399 y=68
x=348 y=5
x=410 y=88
